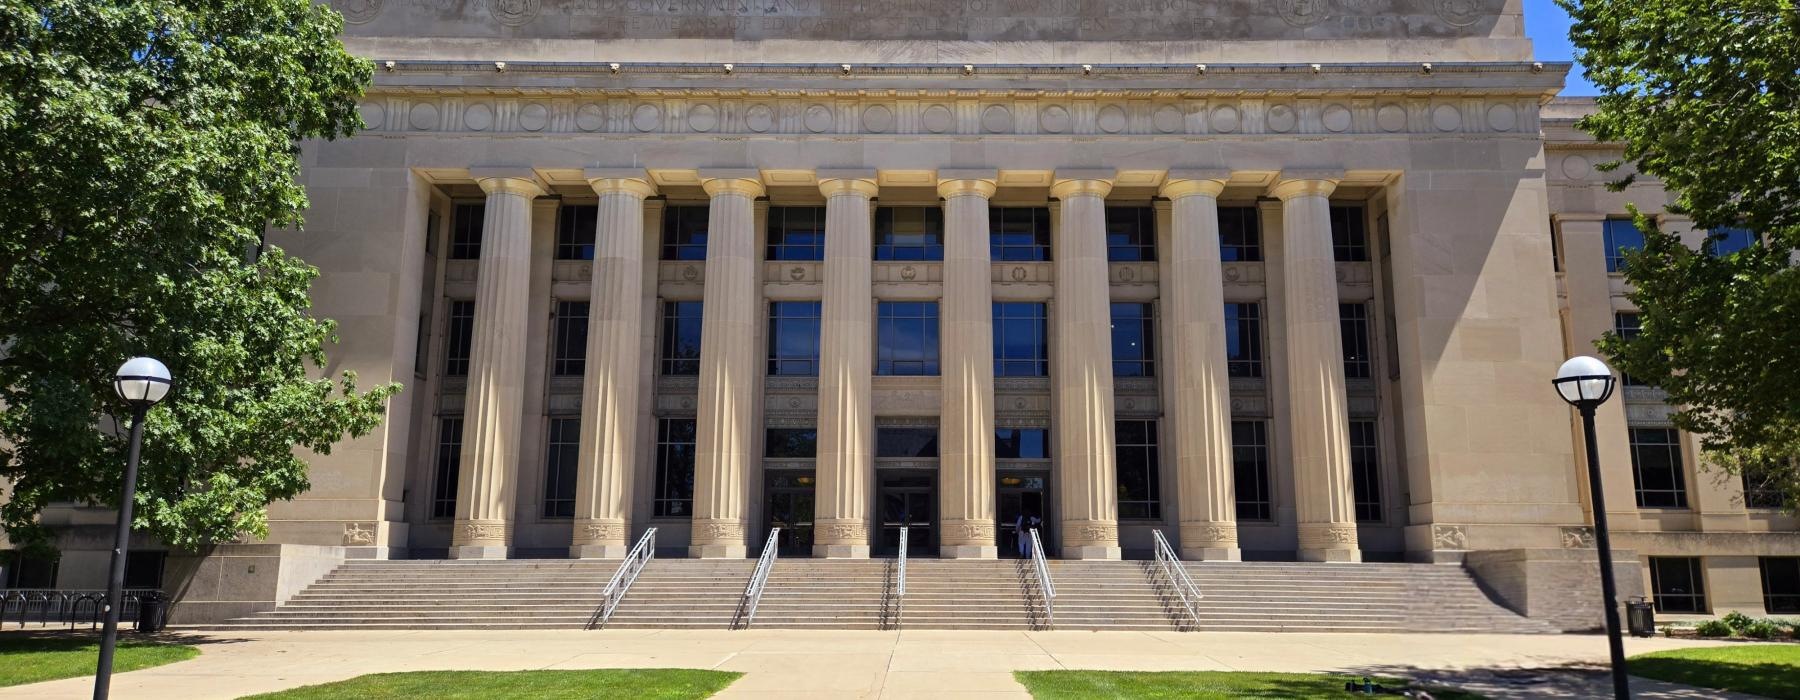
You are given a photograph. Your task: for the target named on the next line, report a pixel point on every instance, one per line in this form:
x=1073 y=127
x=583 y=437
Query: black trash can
x=1640 y=618
x=153 y=609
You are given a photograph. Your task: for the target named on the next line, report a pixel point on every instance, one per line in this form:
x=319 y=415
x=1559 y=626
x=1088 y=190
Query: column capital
x=963 y=183
x=519 y=181
x=741 y=182
x=1300 y=183
x=628 y=180
x=1185 y=183
x=836 y=182
x=1073 y=183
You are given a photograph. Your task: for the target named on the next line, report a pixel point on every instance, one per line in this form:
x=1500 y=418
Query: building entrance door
x=1020 y=494
x=788 y=504
x=909 y=498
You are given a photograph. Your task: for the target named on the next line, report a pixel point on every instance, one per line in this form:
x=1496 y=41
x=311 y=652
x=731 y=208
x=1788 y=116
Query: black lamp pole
x=115 y=583
x=1603 y=541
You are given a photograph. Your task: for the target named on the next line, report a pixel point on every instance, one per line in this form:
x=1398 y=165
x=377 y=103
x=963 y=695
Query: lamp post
x=1585 y=383
x=141 y=382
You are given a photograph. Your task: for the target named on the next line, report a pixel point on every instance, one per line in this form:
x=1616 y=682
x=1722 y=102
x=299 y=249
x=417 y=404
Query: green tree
x=145 y=147
x=1705 y=96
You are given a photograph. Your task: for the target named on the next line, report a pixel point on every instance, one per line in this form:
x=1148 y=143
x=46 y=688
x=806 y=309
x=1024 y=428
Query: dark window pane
x=561 y=460
x=1657 y=469
x=1628 y=326
x=465 y=231
x=1353 y=320
x=674 y=495
x=1021 y=443
x=1726 y=241
x=1021 y=340
x=1243 y=339
x=1620 y=235
x=1781 y=584
x=459 y=338
x=1240 y=234
x=575 y=231
x=796 y=233
x=1133 y=340
x=906 y=442
x=906 y=336
x=1349 y=235
x=684 y=233
x=681 y=338
x=1250 y=472
x=144 y=569
x=1130 y=234
x=791 y=443
x=909 y=233
x=1138 y=490
x=1365 y=466
x=1019 y=234
x=569 y=342
x=449 y=461
x=1677 y=585
x=794 y=338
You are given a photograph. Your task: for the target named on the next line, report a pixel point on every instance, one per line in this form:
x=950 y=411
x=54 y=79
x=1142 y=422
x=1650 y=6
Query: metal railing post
x=900 y=585
x=1171 y=567
x=758 y=578
x=615 y=590
x=1042 y=566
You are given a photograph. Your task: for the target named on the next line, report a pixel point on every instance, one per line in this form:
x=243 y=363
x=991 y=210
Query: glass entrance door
x=908 y=498
x=788 y=504
x=1021 y=497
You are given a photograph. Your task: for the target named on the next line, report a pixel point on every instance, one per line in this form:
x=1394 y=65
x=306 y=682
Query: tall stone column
x=966 y=461
x=1317 y=412
x=1199 y=411
x=609 y=390
x=730 y=380
x=1086 y=458
x=846 y=459
x=495 y=398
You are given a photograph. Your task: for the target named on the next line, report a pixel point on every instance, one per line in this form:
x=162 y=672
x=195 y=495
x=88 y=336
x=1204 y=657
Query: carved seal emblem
x=357 y=11
x=513 y=13
x=1301 y=13
x=1459 y=13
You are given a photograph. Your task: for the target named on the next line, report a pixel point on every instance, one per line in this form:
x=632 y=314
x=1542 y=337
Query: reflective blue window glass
x=1621 y=235
x=1021 y=443
x=681 y=338
x=797 y=233
x=1130 y=234
x=909 y=233
x=1243 y=339
x=1021 y=342
x=684 y=233
x=1133 y=341
x=1019 y=234
x=1726 y=241
x=794 y=338
x=1240 y=235
x=906 y=336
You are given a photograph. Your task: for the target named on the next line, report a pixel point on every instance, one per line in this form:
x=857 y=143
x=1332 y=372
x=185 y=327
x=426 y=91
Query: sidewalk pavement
x=936 y=664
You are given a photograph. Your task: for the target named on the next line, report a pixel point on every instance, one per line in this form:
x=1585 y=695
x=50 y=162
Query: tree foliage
x=145 y=146
x=1705 y=96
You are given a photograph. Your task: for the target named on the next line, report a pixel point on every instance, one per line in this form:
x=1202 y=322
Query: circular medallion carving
x=1301 y=13
x=797 y=274
x=996 y=119
x=690 y=273
x=1054 y=119
x=878 y=119
x=937 y=119
x=818 y=118
x=534 y=117
x=759 y=118
x=478 y=116
x=646 y=117
x=1127 y=273
x=590 y=117
x=423 y=116
x=1111 y=119
x=1446 y=118
x=1335 y=118
x=1459 y=13
x=794 y=402
x=1282 y=119
x=1167 y=119
x=1018 y=274
x=1502 y=117
x=1576 y=167
x=1390 y=118
x=1019 y=404
x=513 y=13
x=1130 y=404
x=357 y=11
x=703 y=118
x=687 y=402
x=1232 y=273
x=373 y=115
x=908 y=273
x=1224 y=119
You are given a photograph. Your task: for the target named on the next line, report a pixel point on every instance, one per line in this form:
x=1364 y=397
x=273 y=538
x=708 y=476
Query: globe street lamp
x=141 y=382
x=1585 y=383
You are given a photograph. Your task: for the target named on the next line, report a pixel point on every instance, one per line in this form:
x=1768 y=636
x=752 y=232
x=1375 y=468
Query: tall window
x=1620 y=235
x=1250 y=470
x=569 y=356
x=1021 y=340
x=794 y=338
x=1726 y=241
x=909 y=233
x=1349 y=235
x=1130 y=234
x=906 y=334
x=791 y=443
x=674 y=494
x=1240 y=235
x=575 y=231
x=465 y=231
x=1365 y=471
x=560 y=457
x=1243 y=339
x=915 y=443
x=1133 y=340
x=1019 y=234
x=1656 y=468
x=684 y=233
x=1628 y=326
x=459 y=337
x=796 y=233
x=1762 y=487
x=1353 y=322
x=1781 y=584
x=449 y=461
x=1137 y=464
x=681 y=338
x=1021 y=443
x=1677 y=585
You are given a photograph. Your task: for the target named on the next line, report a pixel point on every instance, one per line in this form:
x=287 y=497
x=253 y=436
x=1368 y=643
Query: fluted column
x=730 y=382
x=609 y=389
x=1086 y=462
x=494 y=402
x=1317 y=414
x=1199 y=411
x=846 y=459
x=966 y=456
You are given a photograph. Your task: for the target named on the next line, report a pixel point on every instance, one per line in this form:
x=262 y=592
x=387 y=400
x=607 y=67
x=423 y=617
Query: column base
x=840 y=551
x=718 y=551
x=480 y=552
x=599 y=551
x=1212 y=554
x=1090 y=551
x=968 y=551
x=1331 y=555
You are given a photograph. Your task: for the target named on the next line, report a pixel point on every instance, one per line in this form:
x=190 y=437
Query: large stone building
x=1284 y=279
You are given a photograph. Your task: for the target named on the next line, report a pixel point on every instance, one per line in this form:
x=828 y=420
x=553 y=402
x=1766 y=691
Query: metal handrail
x=1184 y=586
x=1043 y=576
x=615 y=590
x=746 y=611
x=900 y=585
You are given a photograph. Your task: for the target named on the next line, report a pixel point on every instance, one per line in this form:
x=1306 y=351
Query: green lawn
x=1770 y=670
x=1056 y=685
x=644 y=683
x=33 y=658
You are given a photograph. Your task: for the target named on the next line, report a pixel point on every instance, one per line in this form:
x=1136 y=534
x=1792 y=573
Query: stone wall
x=1560 y=586
x=235 y=580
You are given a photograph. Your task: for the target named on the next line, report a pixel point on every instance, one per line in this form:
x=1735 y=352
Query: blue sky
x=1548 y=27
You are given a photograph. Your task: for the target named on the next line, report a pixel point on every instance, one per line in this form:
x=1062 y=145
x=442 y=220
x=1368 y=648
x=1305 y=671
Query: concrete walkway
x=940 y=665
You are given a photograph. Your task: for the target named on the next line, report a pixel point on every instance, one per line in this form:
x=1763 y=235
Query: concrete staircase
x=823 y=594
x=1306 y=597
x=685 y=594
x=970 y=594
